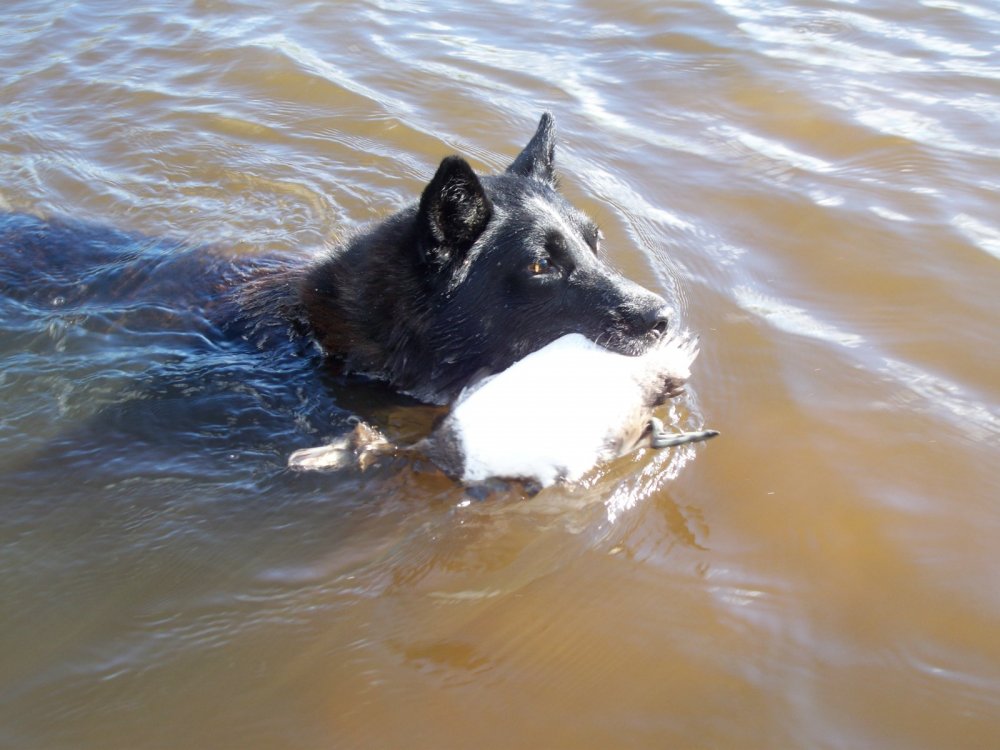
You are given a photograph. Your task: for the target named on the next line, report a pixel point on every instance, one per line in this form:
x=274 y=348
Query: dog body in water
x=475 y=276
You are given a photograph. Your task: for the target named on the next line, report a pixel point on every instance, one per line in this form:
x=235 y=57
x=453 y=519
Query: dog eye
x=540 y=266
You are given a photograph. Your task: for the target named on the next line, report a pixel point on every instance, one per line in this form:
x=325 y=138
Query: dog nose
x=642 y=313
x=658 y=320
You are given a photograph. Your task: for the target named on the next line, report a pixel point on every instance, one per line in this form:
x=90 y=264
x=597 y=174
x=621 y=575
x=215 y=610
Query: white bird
x=550 y=417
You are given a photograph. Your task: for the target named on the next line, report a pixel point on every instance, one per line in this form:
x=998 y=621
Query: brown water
x=815 y=186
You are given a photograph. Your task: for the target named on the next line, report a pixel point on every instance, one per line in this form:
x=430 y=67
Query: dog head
x=512 y=266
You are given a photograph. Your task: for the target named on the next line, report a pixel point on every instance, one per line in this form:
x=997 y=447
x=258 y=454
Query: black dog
x=477 y=275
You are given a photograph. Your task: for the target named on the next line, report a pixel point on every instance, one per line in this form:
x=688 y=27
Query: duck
x=549 y=418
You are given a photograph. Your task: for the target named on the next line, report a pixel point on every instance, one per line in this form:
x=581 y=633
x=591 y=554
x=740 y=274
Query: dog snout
x=658 y=320
x=652 y=318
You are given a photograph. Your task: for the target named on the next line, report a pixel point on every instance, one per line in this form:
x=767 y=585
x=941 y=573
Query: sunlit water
x=813 y=186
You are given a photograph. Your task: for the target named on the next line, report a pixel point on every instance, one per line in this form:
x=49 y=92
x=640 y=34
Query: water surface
x=814 y=186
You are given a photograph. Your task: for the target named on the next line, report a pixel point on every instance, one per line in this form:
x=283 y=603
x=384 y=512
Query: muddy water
x=814 y=186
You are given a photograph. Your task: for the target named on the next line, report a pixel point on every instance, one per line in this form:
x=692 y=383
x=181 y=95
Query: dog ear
x=454 y=210
x=538 y=159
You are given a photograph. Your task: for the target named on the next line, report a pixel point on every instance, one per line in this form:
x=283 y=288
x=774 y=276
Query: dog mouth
x=636 y=327
x=625 y=342
x=617 y=338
